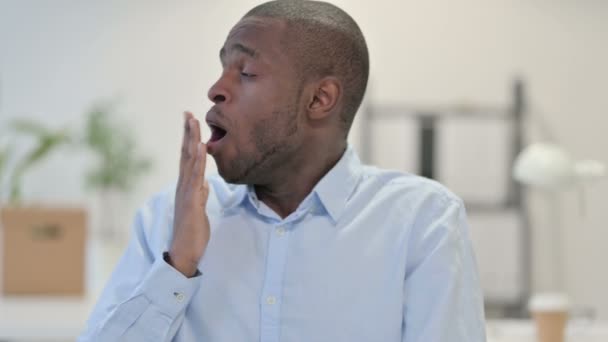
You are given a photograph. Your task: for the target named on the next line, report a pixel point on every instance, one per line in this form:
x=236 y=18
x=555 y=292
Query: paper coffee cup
x=550 y=314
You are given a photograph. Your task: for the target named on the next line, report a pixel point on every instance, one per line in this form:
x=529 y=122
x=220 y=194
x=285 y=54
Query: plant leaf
x=47 y=140
x=119 y=163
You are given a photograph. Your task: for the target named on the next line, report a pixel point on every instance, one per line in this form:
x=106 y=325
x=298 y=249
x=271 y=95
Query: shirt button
x=179 y=296
x=280 y=231
x=271 y=300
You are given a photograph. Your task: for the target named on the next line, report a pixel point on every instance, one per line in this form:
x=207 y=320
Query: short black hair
x=324 y=41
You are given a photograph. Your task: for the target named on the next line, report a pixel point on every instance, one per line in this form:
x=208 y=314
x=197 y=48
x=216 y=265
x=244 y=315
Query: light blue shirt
x=368 y=256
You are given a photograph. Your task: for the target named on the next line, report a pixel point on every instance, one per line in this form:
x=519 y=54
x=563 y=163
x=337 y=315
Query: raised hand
x=190 y=224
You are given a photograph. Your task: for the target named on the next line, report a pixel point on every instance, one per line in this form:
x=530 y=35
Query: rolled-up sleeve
x=443 y=300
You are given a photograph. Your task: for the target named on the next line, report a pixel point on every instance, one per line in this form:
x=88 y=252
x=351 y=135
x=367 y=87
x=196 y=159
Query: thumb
x=205 y=192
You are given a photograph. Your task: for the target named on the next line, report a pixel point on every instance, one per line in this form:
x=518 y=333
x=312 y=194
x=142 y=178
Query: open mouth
x=217 y=133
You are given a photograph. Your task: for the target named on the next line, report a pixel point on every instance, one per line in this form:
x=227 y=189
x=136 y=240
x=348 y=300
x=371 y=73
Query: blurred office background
x=155 y=59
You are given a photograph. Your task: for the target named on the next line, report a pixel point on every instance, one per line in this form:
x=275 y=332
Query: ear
x=324 y=98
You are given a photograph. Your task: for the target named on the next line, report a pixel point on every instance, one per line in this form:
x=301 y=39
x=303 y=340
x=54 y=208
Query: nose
x=218 y=93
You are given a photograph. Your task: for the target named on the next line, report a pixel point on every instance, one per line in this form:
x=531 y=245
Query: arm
x=145 y=298
x=147 y=295
x=442 y=296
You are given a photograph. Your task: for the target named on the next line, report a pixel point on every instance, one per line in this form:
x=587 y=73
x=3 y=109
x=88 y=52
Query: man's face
x=254 y=121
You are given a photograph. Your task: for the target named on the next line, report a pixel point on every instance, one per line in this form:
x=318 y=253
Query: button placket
x=271 y=300
x=273 y=283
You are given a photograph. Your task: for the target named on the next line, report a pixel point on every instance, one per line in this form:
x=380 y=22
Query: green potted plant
x=46 y=141
x=54 y=234
x=4 y=155
x=118 y=165
x=43 y=245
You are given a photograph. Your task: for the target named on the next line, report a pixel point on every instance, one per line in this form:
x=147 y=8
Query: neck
x=295 y=181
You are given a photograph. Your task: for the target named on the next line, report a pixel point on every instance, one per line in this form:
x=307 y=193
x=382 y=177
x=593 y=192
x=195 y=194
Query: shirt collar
x=336 y=187
x=238 y=196
x=333 y=190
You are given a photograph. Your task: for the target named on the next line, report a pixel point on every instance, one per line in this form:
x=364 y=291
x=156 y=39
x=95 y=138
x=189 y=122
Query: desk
x=43 y=318
x=58 y=320
x=523 y=331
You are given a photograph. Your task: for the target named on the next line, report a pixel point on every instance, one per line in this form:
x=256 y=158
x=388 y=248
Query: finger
x=196 y=131
x=195 y=137
x=184 y=156
x=194 y=141
x=205 y=192
x=203 y=165
x=187 y=117
x=198 y=172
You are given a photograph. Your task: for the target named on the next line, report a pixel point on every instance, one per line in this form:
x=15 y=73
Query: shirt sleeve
x=443 y=300
x=145 y=298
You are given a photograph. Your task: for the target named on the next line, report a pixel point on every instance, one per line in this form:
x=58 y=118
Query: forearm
x=153 y=311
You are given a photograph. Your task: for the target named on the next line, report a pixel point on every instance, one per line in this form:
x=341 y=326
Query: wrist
x=186 y=267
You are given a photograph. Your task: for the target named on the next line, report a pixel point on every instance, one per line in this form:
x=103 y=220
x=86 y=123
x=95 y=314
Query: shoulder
x=425 y=211
x=154 y=218
x=413 y=205
x=162 y=203
x=405 y=190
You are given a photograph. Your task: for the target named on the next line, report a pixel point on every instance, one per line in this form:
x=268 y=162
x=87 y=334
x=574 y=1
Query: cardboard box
x=43 y=250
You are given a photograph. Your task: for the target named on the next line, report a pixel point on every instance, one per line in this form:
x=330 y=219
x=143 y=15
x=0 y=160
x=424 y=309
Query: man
x=296 y=241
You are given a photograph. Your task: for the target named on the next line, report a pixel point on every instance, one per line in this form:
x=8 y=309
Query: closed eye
x=245 y=74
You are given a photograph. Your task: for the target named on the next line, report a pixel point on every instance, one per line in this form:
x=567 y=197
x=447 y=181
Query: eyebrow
x=240 y=48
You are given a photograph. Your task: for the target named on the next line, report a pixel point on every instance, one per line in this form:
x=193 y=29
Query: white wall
x=57 y=57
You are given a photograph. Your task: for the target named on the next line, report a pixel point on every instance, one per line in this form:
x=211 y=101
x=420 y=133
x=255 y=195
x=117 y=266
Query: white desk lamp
x=549 y=167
